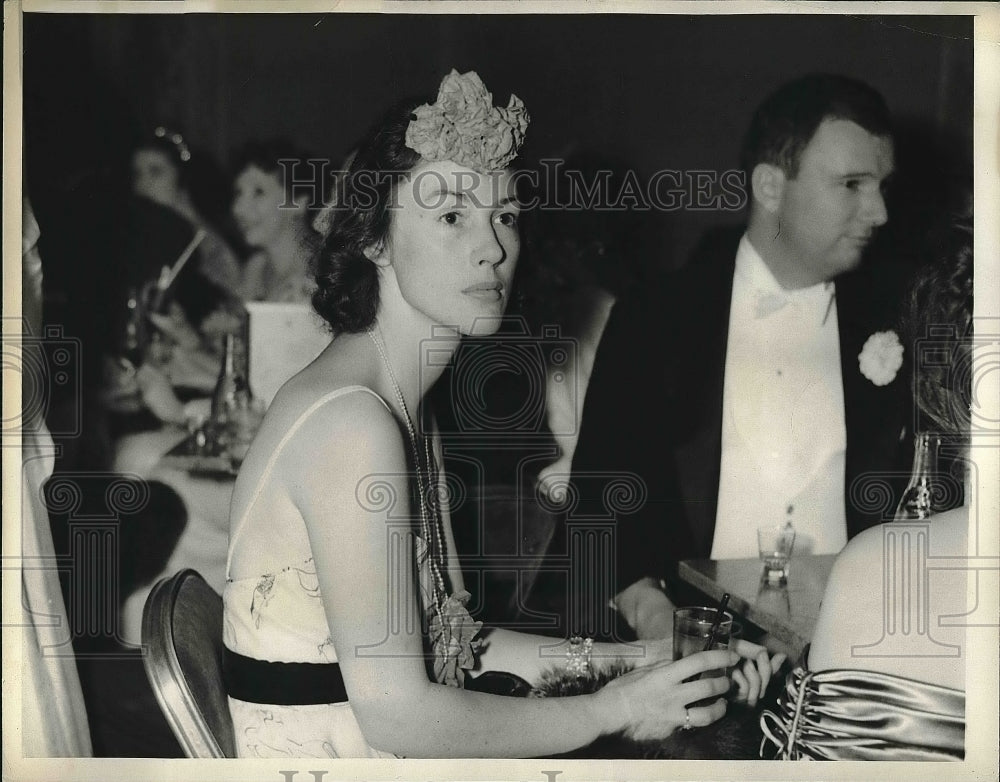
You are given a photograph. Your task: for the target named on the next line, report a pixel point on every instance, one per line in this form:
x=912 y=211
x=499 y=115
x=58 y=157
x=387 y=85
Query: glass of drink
x=692 y=628
x=775 y=543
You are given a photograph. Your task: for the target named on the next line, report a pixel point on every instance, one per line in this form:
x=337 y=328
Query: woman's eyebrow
x=461 y=197
x=438 y=191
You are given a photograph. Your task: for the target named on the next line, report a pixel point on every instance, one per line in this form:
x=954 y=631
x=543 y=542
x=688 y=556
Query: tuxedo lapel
x=697 y=378
x=875 y=417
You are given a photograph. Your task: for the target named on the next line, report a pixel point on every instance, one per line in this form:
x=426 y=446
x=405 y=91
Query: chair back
x=182 y=636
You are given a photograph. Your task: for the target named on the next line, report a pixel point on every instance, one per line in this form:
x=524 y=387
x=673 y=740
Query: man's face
x=830 y=210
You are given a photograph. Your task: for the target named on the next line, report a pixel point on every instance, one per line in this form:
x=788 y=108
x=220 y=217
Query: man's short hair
x=786 y=121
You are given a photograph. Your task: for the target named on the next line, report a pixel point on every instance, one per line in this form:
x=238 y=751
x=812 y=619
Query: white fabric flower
x=465 y=127
x=881 y=357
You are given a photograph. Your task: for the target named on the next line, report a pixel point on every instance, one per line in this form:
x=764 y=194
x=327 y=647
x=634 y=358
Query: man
x=734 y=391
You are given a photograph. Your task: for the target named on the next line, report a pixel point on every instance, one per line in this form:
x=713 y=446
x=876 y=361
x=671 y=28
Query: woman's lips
x=487 y=291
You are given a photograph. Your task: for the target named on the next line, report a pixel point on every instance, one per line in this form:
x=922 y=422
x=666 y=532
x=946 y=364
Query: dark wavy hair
x=301 y=174
x=938 y=324
x=347 y=294
x=786 y=121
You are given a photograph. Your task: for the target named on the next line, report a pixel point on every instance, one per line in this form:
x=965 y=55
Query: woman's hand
x=159 y=395
x=651 y=702
x=653 y=653
x=173 y=325
x=753 y=675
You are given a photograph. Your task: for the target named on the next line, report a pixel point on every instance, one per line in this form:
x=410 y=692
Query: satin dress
x=844 y=714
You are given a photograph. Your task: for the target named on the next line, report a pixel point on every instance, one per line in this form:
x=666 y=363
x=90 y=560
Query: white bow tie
x=767 y=303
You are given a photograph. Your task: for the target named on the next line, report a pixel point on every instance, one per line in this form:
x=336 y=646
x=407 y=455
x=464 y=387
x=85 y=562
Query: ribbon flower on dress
x=453 y=639
x=465 y=127
x=881 y=357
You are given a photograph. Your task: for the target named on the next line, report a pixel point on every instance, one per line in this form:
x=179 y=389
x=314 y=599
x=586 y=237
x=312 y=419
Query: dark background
x=651 y=91
x=640 y=93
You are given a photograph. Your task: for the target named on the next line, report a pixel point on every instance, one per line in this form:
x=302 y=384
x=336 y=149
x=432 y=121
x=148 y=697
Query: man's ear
x=378 y=254
x=768 y=184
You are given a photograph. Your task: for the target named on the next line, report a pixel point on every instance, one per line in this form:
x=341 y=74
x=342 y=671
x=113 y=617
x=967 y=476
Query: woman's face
x=453 y=244
x=154 y=176
x=260 y=209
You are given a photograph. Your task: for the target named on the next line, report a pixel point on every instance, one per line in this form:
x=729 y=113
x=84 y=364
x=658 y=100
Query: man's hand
x=647 y=609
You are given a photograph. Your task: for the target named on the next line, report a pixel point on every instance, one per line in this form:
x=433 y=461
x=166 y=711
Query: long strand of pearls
x=432 y=531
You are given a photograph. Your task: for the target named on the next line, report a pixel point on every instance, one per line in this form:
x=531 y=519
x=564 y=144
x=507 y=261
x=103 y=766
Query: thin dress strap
x=336 y=393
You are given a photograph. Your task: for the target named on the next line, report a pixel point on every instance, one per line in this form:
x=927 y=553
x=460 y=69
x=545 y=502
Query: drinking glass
x=692 y=627
x=775 y=543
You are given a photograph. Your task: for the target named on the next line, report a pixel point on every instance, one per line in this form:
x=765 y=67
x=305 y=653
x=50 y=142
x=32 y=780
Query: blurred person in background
x=161 y=170
x=277 y=191
x=585 y=259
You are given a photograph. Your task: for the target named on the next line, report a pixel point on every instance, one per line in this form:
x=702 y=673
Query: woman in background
x=884 y=679
x=161 y=171
x=276 y=192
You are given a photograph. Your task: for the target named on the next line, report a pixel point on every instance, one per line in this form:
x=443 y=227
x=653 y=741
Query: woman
x=196 y=289
x=342 y=560
x=274 y=192
x=160 y=172
x=884 y=678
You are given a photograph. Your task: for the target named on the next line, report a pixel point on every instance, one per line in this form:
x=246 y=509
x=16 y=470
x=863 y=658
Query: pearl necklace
x=431 y=524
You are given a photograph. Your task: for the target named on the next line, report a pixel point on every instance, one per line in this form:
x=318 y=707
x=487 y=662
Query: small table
x=787 y=614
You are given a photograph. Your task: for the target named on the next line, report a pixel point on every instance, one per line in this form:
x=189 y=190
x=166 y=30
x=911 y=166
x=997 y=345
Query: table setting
x=182 y=415
x=779 y=592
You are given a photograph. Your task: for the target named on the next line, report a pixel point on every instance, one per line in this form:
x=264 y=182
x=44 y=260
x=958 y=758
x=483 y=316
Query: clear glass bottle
x=919 y=498
x=235 y=415
x=231 y=389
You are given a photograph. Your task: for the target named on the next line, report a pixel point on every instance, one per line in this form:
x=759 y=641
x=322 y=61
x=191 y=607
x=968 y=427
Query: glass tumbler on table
x=775 y=543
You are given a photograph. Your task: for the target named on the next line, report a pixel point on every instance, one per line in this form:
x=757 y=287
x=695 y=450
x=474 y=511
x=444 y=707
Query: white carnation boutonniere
x=881 y=357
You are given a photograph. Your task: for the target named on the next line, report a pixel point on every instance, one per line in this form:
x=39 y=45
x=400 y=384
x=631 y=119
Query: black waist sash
x=281 y=684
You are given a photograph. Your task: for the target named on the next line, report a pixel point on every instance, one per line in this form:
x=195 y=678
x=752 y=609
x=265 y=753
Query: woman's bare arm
x=347 y=475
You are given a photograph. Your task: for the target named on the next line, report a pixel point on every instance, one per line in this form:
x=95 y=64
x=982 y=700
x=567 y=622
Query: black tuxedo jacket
x=654 y=409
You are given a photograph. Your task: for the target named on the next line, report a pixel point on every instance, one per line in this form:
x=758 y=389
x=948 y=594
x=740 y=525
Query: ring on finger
x=687 y=719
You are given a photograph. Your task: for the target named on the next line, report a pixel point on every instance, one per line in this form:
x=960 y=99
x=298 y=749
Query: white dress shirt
x=783 y=431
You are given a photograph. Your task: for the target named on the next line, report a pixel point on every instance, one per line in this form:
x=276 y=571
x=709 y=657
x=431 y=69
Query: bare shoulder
x=861 y=549
x=947 y=533
x=854 y=602
x=855 y=568
x=349 y=418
